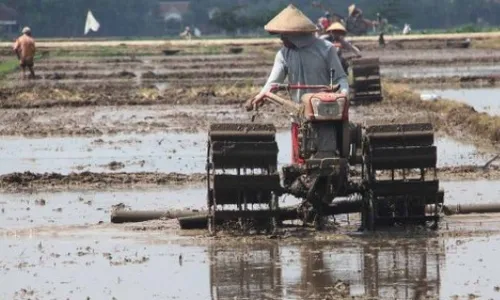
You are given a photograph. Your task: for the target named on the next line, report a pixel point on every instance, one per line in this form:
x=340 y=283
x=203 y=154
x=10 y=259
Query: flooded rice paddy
x=158 y=152
x=62 y=245
x=485 y=100
x=415 y=72
x=87 y=207
x=147 y=266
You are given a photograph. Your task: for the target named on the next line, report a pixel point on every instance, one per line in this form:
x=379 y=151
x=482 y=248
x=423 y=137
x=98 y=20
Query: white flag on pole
x=197 y=32
x=91 y=23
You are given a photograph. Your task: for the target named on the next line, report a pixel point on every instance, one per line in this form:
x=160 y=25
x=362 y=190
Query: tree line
x=64 y=18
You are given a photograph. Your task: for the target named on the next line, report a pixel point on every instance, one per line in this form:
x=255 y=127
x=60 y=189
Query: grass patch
x=450 y=115
x=11 y=65
x=8 y=66
x=148 y=93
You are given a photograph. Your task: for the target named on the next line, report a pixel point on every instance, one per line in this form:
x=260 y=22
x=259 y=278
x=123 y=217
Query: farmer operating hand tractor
x=326 y=145
x=304 y=58
x=25 y=49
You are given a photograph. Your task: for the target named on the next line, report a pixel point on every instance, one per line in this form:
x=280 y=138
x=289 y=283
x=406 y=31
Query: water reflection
x=407 y=269
x=245 y=273
x=402 y=272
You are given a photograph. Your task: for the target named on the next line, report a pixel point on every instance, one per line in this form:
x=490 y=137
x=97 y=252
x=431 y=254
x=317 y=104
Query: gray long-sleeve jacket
x=309 y=63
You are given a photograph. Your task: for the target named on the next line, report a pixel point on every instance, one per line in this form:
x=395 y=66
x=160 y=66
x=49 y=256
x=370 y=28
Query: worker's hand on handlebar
x=255 y=102
x=336 y=88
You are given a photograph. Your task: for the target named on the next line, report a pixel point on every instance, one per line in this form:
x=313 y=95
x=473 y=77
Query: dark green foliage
x=133 y=18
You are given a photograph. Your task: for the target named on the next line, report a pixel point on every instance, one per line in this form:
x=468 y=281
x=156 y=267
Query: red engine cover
x=324 y=97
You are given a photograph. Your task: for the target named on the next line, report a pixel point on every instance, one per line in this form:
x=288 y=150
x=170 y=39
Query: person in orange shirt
x=25 y=50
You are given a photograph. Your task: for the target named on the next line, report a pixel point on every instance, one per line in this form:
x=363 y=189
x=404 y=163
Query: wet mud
x=296 y=266
x=29 y=181
x=129 y=130
x=402 y=269
x=39 y=182
x=83 y=206
x=161 y=152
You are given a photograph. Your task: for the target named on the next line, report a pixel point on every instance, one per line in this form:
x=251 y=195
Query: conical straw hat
x=336 y=26
x=290 y=20
x=351 y=9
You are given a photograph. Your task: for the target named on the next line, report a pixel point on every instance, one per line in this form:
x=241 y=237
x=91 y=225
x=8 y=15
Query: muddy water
x=106 y=262
x=155 y=152
x=89 y=207
x=429 y=72
x=454 y=153
x=468 y=192
x=162 y=152
x=146 y=266
x=217 y=113
x=483 y=99
x=22 y=210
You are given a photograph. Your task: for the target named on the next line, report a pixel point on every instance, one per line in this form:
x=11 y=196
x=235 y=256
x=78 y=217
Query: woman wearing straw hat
x=336 y=35
x=304 y=58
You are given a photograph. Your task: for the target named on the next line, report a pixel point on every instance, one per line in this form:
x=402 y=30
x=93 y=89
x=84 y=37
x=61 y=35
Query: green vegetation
x=11 y=65
x=8 y=66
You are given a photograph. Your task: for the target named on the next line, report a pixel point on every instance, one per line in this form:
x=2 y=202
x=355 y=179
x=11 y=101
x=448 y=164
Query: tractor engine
x=320 y=173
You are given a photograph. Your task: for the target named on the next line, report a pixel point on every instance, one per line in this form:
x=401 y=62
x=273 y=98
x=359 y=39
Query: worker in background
x=336 y=34
x=25 y=49
x=186 y=33
x=304 y=59
x=356 y=23
x=325 y=21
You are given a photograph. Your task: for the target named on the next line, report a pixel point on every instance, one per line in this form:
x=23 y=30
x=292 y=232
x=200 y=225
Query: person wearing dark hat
x=304 y=59
x=25 y=49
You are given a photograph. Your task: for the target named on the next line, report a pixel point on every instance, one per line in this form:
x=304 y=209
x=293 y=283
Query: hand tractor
x=364 y=80
x=390 y=166
x=364 y=77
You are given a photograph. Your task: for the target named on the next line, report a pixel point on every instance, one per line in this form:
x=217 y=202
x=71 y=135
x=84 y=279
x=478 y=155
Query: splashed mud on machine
x=364 y=81
x=391 y=167
x=364 y=77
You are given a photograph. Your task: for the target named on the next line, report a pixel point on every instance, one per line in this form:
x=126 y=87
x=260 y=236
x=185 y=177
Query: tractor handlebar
x=286 y=87
x=258 y=101
x=289 y=105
